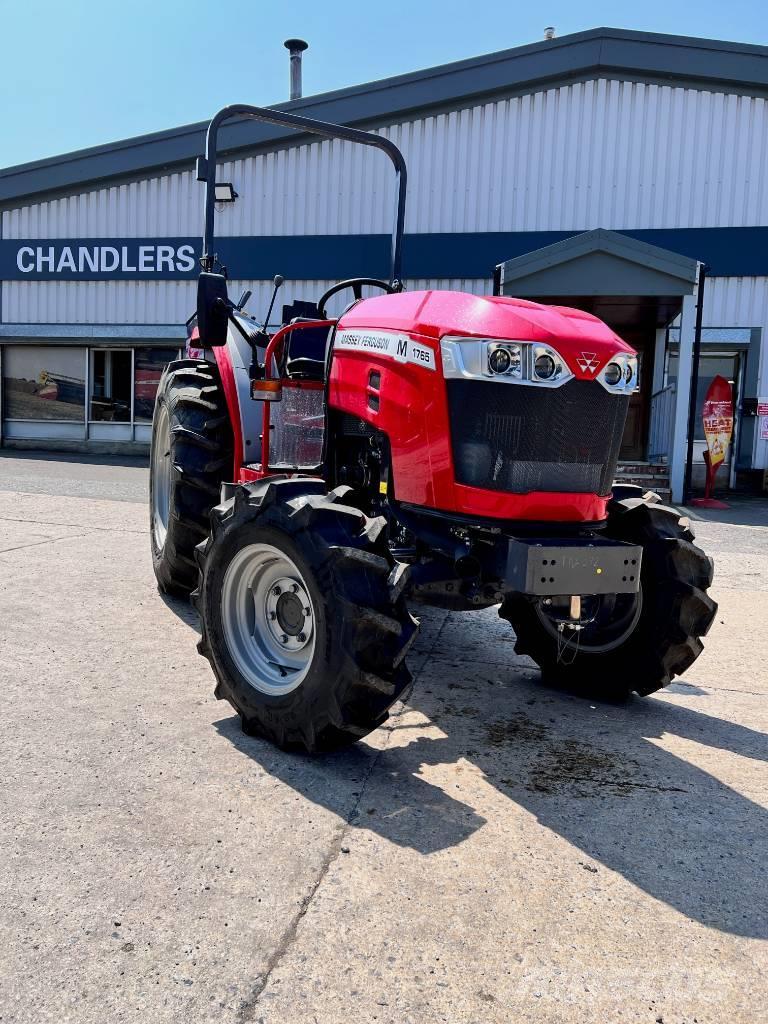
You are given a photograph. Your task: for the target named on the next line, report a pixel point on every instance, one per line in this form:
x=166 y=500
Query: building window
x=81 y=394
x=44 y=383
x=111 y=378
x=149 y=364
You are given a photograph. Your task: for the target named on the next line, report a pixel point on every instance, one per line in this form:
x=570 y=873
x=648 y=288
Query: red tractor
x=431 y=447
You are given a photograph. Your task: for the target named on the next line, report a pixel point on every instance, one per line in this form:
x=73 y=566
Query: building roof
x=599 y=52
x=600 y=262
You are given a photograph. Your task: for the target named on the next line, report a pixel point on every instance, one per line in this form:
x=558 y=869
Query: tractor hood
x=437 y=314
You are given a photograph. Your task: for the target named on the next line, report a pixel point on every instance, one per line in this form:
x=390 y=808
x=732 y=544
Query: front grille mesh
x=518 y=438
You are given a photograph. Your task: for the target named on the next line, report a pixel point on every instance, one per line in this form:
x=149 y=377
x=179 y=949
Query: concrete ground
x=501 y=852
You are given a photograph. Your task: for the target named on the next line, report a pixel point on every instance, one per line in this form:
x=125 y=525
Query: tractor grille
x=515 y=438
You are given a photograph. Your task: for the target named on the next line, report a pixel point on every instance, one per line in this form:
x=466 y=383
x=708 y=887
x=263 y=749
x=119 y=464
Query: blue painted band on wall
x=730 y=252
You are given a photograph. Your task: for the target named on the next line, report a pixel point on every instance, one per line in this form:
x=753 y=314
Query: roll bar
x=206 y=169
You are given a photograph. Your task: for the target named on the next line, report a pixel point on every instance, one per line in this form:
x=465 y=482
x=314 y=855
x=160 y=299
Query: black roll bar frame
x=206 y=170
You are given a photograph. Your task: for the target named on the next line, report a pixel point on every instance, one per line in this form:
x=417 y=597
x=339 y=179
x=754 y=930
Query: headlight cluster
x=513 y=361
x=619 y=375
x=530 y=362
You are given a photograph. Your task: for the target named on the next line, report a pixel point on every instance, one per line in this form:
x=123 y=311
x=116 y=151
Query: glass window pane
x=110 y=385
x=44 y=382
x=710 y=366
x=150 y=363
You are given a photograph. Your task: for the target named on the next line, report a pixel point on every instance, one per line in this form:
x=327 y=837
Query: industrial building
x=603 y=169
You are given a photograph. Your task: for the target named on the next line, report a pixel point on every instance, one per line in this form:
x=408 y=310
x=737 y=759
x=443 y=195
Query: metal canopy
x=598 y=263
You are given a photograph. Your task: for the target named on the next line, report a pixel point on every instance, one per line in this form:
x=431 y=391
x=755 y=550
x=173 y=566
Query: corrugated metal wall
x=165 y=302
x=594 y=154
x=736 y=302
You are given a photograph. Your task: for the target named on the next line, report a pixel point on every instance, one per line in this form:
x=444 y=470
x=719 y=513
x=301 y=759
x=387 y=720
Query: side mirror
x=213 y=308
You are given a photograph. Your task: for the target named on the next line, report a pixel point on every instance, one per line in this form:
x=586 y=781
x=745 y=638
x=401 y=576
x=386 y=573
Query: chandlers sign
x=732 y=252
x=90 y=259
x=250 y=258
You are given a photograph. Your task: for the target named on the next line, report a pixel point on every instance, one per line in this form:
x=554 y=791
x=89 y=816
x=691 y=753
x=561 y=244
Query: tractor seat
x=307 y=350
x=304 y=368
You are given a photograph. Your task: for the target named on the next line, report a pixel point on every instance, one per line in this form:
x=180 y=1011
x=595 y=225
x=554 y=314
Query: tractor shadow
x=588 y=769
x=183 y=609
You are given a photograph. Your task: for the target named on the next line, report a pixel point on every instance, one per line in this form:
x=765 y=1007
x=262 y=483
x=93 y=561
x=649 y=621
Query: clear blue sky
x=77 y=73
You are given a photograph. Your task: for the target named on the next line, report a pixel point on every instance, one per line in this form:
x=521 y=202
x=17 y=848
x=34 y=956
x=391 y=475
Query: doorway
x=727 y=363
x=110 y=409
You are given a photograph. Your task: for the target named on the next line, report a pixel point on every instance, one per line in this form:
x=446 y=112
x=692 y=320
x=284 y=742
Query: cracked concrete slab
x=499 y=852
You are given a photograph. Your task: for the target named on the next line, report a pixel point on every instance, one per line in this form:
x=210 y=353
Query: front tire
x=191 y=455
x=303 y=619
x=646 y=642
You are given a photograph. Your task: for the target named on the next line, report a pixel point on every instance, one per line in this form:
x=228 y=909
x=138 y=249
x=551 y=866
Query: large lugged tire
x=303 y=618
x=663 y=636
x=190 y=457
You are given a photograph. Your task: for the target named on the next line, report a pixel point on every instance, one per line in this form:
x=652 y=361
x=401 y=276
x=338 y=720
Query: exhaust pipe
x=295 y=47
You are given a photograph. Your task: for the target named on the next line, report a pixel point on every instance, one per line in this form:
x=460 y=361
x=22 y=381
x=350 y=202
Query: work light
x=225 y=192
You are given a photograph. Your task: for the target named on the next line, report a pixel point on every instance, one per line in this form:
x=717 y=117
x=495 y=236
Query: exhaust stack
x=295 y=47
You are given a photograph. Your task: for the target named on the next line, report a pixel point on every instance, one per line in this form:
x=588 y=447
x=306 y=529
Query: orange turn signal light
x=266 y=390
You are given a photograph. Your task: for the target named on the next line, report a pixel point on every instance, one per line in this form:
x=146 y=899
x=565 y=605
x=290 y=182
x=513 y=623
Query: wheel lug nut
x=295 y=588
x=277 y=591
x=306 y=611
x=302 y=637
x=284 y=639
x=273 y=616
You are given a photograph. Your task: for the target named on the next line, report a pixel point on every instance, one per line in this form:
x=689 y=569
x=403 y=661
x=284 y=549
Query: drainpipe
x=694 y=382
x=295 y=47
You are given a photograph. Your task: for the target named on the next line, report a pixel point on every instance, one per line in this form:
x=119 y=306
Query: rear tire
x=665 y=638
x=321 y=672
x=192 y=452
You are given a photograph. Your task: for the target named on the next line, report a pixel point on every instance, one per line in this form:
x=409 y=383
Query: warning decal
x=399 y=347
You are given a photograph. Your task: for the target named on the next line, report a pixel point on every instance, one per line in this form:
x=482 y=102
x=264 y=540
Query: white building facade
x=663 y=139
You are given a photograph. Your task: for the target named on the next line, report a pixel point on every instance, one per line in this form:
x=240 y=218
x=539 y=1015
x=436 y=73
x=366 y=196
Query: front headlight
x=510 y=362
x=619 y=375
x=613 y=374
x=505 y=359
x=548 y=365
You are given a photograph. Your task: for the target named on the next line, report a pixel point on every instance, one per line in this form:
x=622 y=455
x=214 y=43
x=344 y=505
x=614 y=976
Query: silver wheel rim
x=161 y=477
x=268 y=619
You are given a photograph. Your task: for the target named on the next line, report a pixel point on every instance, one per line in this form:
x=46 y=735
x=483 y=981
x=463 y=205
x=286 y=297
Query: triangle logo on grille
x=588 y=362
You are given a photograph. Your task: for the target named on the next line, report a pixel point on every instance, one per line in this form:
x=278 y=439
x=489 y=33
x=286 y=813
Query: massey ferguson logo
x=588 y=362
x=399 y=347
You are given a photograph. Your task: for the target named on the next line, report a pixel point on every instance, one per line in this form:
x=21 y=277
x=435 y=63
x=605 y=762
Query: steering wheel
x=356 y=284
